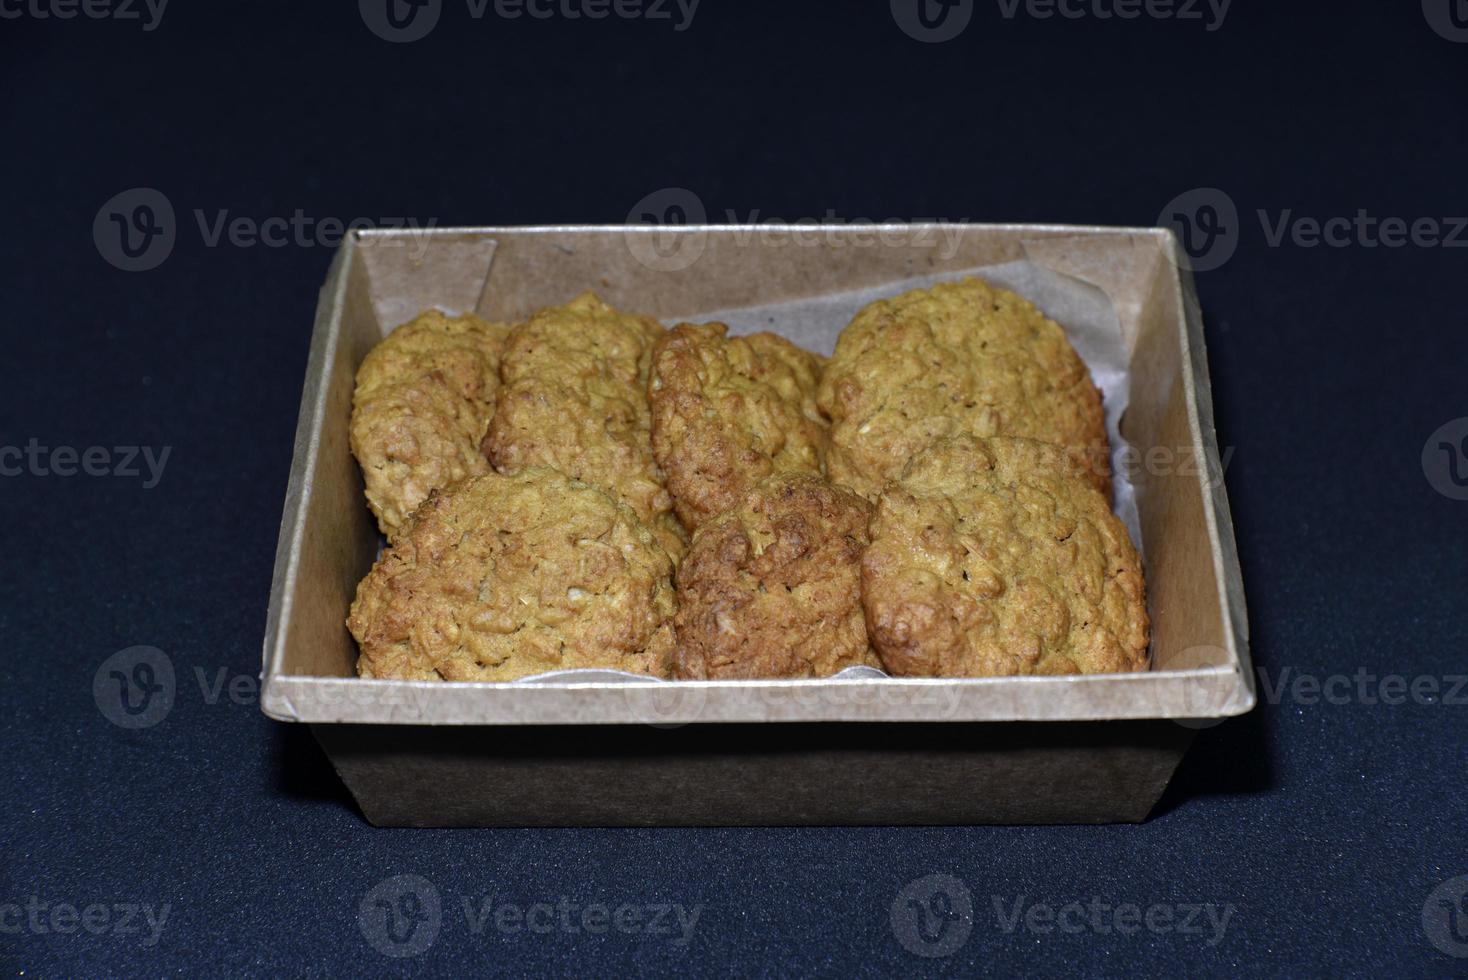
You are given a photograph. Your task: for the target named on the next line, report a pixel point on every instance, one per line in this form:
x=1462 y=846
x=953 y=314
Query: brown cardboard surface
x=762 y=775
x=328 y=541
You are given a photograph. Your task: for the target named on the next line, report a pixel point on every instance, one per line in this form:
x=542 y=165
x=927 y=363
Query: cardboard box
x=874 y=751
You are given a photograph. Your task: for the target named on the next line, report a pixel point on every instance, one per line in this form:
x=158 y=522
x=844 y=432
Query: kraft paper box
x=604 y=749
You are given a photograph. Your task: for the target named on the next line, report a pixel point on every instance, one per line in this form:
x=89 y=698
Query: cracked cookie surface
x=727 y=412
x=422 y=402
x=574 y=397
x=772 y=587
x=961 y=358
x=502 y=577
x=999 y=557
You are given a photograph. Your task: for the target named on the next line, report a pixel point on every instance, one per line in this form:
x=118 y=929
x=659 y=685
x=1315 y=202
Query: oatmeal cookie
x=772 y=587
x=998 y=557
x=962 y=358
x=574 y=397
x=729 y=412
x=423 y=400
x=501 y=577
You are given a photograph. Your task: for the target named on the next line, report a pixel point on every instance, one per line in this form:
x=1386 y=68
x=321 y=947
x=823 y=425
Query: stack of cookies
x=591 y=490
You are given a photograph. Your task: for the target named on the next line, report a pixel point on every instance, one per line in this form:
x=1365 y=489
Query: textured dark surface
x=1325 y=826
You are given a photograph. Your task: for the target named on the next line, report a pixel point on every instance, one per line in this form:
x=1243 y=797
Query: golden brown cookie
x=423 y=400
x=574 y=397
x=728 y=412
x=998 y=557
x=772 y=587
x=962 y=358
x=505 y=576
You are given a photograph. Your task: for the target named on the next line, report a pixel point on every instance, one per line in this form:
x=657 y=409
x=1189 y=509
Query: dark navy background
x=1326 y=826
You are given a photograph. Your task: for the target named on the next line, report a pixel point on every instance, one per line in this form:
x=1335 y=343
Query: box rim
x=904 y=700
x=1152 y=231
